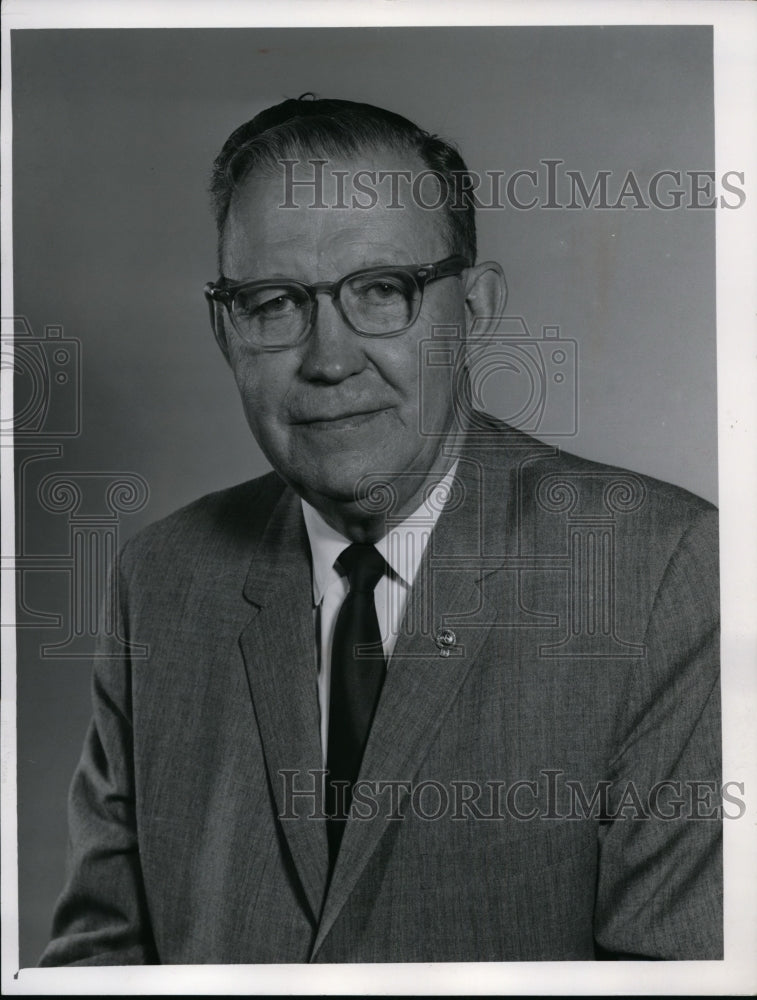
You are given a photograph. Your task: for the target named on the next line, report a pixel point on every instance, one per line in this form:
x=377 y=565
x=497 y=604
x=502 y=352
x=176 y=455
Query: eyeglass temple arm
x=452 y=265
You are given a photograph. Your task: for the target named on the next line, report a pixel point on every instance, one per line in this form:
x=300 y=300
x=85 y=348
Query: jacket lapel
x=421 y=683
x=278 y=646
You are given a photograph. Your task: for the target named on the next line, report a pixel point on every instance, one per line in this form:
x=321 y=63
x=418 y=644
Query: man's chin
x=364 y=492
x=358 y=492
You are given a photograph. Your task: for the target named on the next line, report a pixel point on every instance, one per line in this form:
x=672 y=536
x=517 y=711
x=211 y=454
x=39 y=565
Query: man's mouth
x=341 y=420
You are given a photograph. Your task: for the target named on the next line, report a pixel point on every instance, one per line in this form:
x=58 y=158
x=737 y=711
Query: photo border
x=735 y=36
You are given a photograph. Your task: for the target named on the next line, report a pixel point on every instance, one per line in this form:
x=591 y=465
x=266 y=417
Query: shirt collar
x=402 y=546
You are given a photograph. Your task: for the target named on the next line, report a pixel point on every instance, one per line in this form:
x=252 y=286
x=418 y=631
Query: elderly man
x=428 y=691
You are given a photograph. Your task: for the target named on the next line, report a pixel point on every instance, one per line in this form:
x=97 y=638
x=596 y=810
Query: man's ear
x=217 y=323
x=485 y=296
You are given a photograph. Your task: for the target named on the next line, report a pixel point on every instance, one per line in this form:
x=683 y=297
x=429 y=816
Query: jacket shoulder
x=645 y=511
x=656 y=490
x=548 y=494
x=562 y=477
x=226 y=522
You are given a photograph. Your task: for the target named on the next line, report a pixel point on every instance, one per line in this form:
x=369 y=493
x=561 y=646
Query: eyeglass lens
x=377 y=303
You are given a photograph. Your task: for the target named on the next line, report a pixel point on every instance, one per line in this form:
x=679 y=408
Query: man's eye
x=267 y=305
x=276 y=306
x=380 y=291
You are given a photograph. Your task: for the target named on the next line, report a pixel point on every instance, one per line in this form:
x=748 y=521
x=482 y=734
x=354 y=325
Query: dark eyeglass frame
x=224 y=291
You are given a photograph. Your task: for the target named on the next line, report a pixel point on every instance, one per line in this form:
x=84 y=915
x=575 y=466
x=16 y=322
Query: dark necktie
x=357 y=674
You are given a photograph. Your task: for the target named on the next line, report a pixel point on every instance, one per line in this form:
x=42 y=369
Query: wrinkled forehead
x=378 y=196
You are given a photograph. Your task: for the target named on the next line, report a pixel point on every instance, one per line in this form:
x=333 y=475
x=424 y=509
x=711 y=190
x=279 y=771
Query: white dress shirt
x=402 y=547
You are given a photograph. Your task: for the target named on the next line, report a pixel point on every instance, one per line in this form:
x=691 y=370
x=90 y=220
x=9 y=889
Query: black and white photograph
x=379 y=556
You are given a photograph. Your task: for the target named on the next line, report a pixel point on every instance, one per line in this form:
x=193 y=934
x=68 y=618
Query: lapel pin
x=445 y=639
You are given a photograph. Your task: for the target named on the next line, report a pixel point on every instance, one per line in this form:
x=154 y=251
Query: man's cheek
x=257 y=390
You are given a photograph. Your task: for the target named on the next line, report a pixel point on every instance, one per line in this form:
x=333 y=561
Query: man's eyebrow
x=289 y=276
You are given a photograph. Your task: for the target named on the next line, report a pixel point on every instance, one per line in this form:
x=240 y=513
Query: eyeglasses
x=274 y=314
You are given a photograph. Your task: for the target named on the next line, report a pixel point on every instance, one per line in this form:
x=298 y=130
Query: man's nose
x=333 y=351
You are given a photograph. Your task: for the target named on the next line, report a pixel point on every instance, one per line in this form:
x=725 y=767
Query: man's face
x=339 y=405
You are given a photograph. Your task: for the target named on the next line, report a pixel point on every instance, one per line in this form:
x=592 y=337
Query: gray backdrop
x=114 y=133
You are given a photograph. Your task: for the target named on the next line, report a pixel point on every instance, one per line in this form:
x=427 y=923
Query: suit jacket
x=557 y=664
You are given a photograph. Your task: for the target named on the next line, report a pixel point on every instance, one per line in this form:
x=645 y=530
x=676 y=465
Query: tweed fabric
x=585 y=651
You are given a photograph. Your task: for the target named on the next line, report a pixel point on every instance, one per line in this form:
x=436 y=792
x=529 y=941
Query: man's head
x=334 y=386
